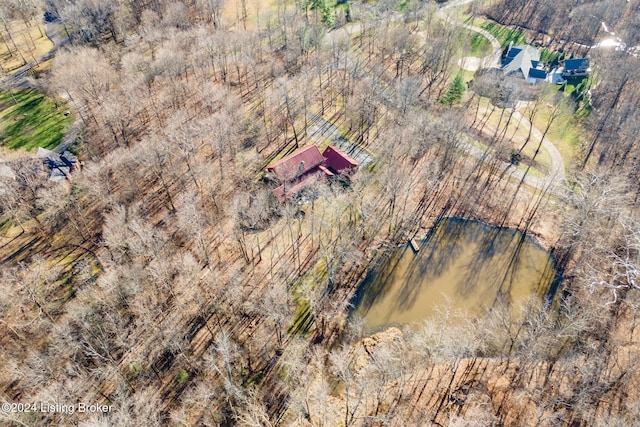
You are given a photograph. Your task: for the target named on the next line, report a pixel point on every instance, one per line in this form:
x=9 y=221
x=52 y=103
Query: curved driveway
x=557 y=170
x=471 y=63
x=553 y=182
x=557 y=162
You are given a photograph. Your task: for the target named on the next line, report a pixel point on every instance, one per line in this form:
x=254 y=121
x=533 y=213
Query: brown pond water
x=467 y=264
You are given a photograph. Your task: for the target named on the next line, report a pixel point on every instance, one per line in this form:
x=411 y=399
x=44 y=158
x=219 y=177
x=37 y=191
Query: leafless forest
x=164 y=279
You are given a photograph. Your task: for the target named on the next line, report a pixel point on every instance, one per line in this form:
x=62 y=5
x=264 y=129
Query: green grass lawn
x=564 y=132
x=502 y=33
x=577 y=86
x=28 y=119
x=550 y=56
x=480 y=46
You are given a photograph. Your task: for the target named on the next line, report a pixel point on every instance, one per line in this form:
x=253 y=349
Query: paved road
x=553 y=182
x=321 y=128
x=549 y=183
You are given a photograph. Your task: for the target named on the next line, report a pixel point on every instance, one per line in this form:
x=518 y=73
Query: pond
x=466 y=264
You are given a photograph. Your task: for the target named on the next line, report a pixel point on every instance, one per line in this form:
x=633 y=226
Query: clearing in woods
x=29 y=119
x=22 y=43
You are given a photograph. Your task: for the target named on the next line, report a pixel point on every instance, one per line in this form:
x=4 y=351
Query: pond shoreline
x=468 y=262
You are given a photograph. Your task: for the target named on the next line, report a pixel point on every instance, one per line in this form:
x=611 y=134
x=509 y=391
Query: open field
x=28 y=119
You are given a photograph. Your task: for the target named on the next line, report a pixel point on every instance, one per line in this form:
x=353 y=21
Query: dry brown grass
x=30 y=40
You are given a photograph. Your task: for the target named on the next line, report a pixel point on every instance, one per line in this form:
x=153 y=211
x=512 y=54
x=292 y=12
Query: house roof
x=6 y=171
x=578 y=64
x=520 y=58
x=60 y=174
x=43 y=153
x=513 y=52
x=286 y=191
x=537 y=74
x=337 y=159
x=297 y=163
x=65 y=159
x=326 y=171
x=60 y=165
x=305 y=166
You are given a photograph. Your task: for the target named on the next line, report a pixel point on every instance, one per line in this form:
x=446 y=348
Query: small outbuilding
x=6 y=171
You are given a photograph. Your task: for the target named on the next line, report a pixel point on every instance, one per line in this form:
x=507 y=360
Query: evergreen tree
x=454 y=93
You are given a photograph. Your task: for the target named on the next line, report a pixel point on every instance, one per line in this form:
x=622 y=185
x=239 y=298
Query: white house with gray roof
x=524 y=60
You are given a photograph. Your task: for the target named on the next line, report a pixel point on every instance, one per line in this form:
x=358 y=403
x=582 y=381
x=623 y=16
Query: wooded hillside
x=164 y=280
x=577 y=21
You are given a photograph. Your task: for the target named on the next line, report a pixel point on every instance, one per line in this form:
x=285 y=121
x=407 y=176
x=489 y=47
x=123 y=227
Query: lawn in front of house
x=478 y=43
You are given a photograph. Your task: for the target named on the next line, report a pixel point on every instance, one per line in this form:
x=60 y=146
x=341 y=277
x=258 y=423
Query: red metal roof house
x=305 y=166
x=338 y=160
x=296 y=164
